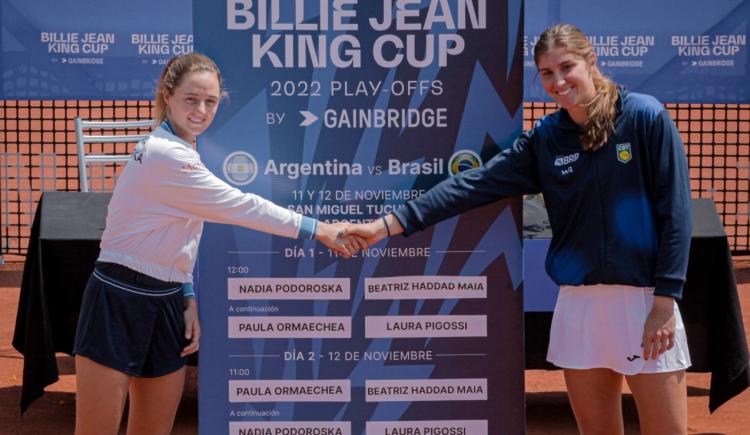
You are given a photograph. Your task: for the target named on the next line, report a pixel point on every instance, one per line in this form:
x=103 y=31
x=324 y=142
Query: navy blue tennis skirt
x=131 y=322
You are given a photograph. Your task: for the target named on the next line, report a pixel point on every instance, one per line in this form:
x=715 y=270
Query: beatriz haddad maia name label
x=288 y=288
x=421 y=390
x=426 y=287
x=327 y=390
x=290 y=327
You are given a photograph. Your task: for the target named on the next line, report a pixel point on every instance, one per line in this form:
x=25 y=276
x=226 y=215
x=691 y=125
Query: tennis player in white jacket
x=139 y=318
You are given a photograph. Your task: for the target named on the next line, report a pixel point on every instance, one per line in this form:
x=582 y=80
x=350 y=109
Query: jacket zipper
x=597 y=184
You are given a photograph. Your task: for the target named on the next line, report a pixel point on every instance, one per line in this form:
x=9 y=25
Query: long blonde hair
x=600 y=123
x=176 y=69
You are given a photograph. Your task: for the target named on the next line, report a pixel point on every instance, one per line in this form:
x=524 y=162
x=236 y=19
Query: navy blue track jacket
x=619 y=214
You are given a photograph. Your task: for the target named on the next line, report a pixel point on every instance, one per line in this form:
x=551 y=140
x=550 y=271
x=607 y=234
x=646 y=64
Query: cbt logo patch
x=240 y=168
x=463 y=160
x=624 y=154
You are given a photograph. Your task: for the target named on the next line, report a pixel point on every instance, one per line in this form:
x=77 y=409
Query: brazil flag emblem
x=623 y=152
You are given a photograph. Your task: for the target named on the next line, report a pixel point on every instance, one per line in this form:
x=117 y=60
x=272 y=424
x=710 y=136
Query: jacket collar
x=167 y=127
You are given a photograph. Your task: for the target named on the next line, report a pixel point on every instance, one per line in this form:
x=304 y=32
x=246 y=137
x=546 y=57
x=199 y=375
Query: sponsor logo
x=632 y=358
x=189 y=167
x=624 y=154
x=138 y=153
x=240 y=168
x=567 y=159
x=463 y=160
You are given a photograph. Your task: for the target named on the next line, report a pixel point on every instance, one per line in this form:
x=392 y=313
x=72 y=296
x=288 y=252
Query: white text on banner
x=279 y=390
x=426 y=326
x=290 y=427
x=289 y=288
x=472 y=427
x=290 y=327
x=419 y=390
x=426 y=287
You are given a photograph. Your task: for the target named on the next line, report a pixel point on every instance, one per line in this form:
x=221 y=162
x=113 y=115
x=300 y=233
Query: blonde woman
x=613 y=172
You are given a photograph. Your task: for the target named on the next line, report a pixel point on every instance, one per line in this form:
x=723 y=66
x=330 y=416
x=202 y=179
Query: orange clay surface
x=547 y=408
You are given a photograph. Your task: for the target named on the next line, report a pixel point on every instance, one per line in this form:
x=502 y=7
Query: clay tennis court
x=716 y=138
x=547 y=408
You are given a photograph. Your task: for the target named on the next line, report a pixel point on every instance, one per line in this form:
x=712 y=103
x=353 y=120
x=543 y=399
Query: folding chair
x=81 y=140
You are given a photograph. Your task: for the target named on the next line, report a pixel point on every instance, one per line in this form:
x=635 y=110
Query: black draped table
x=710 y=306
x=64 y=245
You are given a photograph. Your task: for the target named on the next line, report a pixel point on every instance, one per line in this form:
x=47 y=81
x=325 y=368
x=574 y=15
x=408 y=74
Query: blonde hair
x=600 y=123
x=176 y=69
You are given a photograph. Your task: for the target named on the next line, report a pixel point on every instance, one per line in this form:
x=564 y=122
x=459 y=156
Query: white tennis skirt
x=601 y=326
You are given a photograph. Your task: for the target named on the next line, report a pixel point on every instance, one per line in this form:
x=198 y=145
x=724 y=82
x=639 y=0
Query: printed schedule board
x=344 y=110
x=678 y=51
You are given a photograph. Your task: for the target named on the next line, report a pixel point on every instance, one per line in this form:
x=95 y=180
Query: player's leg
x=661 y=399
x=595 y=396
x=101 y=393
x=154 y=402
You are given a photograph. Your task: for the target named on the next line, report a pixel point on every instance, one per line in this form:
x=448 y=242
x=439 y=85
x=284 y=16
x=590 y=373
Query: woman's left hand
x=192 y=327
x=659 y=329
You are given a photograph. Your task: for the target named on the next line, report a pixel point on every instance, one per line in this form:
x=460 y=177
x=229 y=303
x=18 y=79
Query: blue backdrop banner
x=343 y=110
x=680 y=51
x=89 y=49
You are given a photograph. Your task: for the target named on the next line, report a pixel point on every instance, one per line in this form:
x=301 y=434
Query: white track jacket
x=155 y=217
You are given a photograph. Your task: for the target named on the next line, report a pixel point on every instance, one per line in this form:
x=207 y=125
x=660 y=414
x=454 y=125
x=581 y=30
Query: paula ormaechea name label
x=426 y=287
x=290 y=326
x=428 y=427
x=421 y=390
x=331 y=390
x=290 y=428
x=426 y=326
x=288 y=288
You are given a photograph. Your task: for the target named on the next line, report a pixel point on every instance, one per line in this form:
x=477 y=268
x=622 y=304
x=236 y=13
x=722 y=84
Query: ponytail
x=600 y=124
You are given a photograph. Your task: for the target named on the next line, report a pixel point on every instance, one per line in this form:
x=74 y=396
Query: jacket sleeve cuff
x=187 y=290
x=669 y=287
x=307 y=228
x=403 y=216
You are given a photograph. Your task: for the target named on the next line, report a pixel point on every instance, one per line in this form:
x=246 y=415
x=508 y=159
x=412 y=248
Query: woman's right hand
x=659 y=328
x=333 y=237
x=192 y=327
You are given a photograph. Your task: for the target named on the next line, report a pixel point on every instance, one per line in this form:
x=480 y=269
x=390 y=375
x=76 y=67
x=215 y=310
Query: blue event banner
x=344 y=110
x=676 y=50
x=681 y=51
x=89 y=49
